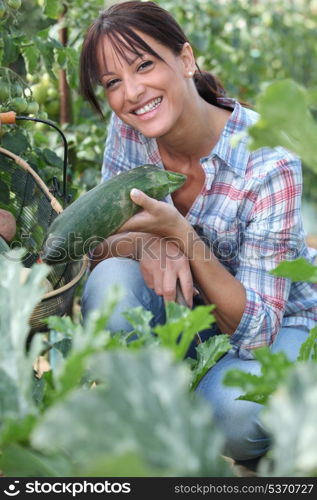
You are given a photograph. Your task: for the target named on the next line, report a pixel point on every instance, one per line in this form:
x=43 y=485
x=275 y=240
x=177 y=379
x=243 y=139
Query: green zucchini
x=4 y=247
x=100 y=212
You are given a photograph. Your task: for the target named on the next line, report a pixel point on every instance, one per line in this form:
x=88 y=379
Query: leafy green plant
x=139 y=419
x=275 y=367
x=297 y=270
x=287 y=389
x=178 y=333
x=245 y=43
x=27 y=90
x=136 y=410
x=258 y=388
x=290 y=418
x=286 y=120
x=17 y=304
x=18 y=50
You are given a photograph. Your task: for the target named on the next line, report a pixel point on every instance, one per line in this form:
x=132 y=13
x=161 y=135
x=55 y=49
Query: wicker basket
x=27 y=197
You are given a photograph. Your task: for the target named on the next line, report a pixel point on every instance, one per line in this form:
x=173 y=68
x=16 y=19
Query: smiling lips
x=148 y=107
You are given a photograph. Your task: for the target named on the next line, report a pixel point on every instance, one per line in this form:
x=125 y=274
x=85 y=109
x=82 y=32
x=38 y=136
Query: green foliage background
x=265 y=53
x=246 y=43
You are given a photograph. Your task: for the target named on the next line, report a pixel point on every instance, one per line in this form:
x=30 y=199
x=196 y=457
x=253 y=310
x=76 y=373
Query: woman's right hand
x=163 y=265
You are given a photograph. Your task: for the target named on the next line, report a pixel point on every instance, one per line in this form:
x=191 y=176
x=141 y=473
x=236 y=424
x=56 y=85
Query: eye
x=111 y=83
x=145 y=65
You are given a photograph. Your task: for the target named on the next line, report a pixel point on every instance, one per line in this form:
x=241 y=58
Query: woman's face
x=147 y=93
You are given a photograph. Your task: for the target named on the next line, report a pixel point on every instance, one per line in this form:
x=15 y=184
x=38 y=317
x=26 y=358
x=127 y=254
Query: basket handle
x=10 y=118
x=54 y=202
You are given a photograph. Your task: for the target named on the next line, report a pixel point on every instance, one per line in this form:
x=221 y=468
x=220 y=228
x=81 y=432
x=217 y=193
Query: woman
x=236 y=217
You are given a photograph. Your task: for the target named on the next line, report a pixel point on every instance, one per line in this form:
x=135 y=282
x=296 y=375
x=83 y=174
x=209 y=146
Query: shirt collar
x=236 y=156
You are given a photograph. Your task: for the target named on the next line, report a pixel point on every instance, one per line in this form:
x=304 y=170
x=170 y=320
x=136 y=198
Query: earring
x=190 y=73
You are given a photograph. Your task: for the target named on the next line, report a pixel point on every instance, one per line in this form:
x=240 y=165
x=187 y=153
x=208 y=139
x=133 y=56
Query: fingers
x=136 y=195
x=168 y=273
x=163 y=284
x=178 y=289
x=187 y=287
x=169 y=287
x=142 y=199
x=153 y=278
x=142 y=221
x=158 y=284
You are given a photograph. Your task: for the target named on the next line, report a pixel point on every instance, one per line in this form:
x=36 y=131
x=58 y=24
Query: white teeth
x=149 y=107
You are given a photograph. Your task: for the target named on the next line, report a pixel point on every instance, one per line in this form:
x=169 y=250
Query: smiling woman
x=235 y=218
x=147 y=72
x=126 y=42
x=147 y=92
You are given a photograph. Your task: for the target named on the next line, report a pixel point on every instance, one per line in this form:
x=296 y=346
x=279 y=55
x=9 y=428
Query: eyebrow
x=108 y=73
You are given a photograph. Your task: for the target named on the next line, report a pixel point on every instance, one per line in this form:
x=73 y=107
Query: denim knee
x=245 y=436
x=240 y=423
x=239 y=420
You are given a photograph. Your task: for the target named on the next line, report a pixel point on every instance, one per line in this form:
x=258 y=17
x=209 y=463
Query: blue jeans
x=245 y=436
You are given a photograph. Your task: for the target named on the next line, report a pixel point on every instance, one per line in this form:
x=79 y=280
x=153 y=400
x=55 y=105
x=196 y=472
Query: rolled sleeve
x=260 y=321
x=274 y=234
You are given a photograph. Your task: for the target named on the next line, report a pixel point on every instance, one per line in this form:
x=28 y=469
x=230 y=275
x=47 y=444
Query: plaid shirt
x=249 y=213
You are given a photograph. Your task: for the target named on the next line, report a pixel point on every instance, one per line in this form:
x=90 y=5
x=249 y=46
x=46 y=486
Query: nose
x=133 y=89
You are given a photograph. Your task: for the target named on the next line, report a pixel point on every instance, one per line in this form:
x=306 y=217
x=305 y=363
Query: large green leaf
x=82 y=342
x=308 y=348
x=72 y=63
x=52 y=158
x=9 y=396
x=124 y=465
x=208 y=353
x=285 y=120
x=10 y=50
x=135 y=410
x=291 y=419
x=46 y=47
x=312 y=97
x=31 y=57
x=297 y=270
x=16 y=430
x=182 y=325
x=16 y=305
x=15 y=141
x=53 y=8
x=258 y=388
x=140 y=319
x=19 y=461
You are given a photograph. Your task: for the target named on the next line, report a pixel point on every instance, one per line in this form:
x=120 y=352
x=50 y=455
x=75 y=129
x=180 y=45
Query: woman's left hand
x=157 y=217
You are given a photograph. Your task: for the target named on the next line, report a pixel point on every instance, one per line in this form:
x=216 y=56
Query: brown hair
x=119 y=23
